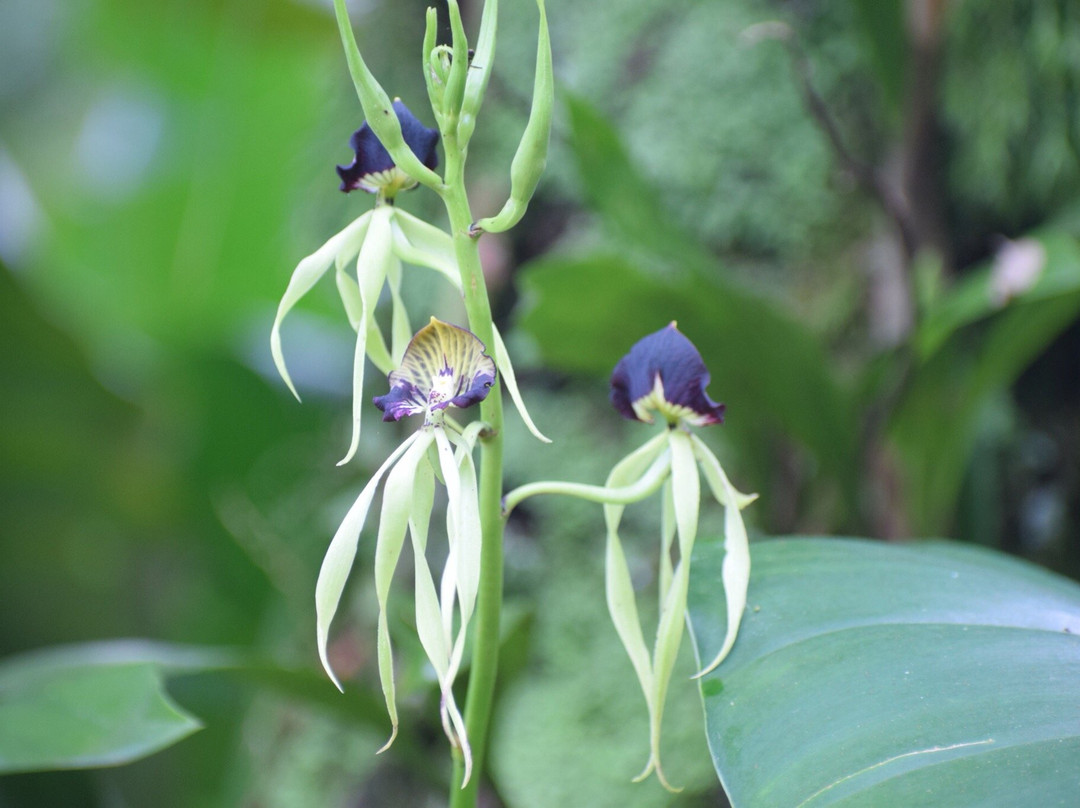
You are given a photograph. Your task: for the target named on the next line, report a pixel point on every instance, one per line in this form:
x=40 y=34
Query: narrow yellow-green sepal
x=421 y=244
x=669 y=631
x=400 y=330
x=349 y=292
x=463 y=519
x=618 y=584
x=684 y=487
x=429 y=624
x=340 y=556
x=393 y=520
x=735 y=570
x=667 y=537
x=685 y=490
x=307 y=273
x=372 y=265
x=506 y=368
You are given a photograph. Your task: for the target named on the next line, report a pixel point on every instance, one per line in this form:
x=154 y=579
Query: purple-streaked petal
x=664 y=372
x=403 y=400
x=372 y=169
x=443 y=366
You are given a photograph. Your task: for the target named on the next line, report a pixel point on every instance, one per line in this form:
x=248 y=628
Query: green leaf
x=630 y=207
x=102 y=704
x=880 y=24
x=881 y=674
x=974 y=298
x=935 y=423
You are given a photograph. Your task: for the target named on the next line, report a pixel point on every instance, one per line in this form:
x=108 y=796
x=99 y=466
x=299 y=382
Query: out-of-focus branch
x=921 y=156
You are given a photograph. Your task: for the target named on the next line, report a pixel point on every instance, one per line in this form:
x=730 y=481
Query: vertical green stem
x=485 y=657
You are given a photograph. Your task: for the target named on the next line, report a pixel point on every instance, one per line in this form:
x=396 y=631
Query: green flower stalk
x=664 y=374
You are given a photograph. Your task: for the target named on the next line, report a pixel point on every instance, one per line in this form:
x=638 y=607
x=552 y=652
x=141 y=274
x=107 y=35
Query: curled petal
x=372 y=266
x=502 y=360
x=622 y=604
x=340 y=247
x=419 y=243
x=393 y=520
x=340 y=555
x=664 y=372
x=684 y=487
x=373 y=169
x=443 y=366
x=735 y=572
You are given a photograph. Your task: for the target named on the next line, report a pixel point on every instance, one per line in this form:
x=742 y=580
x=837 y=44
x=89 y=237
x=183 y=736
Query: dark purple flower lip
x=373 y=170
x=443 y=366
x=664 y=373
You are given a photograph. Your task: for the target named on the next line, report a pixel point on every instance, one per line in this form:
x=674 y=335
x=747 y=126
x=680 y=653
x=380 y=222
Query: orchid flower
x=443 y=366
x=380 y=241
x=664 y=374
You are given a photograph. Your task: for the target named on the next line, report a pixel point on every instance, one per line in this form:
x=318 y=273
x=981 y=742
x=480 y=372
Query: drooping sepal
x=306 y=275
x=664 y=373
x=735 y=572
x=443 y=366
x=340 y=556
x=506 y=368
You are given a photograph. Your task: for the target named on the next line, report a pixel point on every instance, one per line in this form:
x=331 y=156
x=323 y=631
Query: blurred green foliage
x=164 y=166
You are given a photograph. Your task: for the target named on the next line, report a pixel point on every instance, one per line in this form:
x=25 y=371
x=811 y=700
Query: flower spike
x=664 y=372
x=373 y=169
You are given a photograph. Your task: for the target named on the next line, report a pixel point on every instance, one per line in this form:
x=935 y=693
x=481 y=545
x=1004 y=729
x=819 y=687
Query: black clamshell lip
x=668 y=356
x=372 y=167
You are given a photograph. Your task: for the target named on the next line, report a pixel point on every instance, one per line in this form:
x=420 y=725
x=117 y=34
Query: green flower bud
x=531 y=155
x=479 y=71
x=459 y=65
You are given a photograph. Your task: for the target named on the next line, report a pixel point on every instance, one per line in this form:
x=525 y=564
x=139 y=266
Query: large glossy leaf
x=870 y=674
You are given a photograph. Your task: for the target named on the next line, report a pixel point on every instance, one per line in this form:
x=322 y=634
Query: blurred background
x=864 y=213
